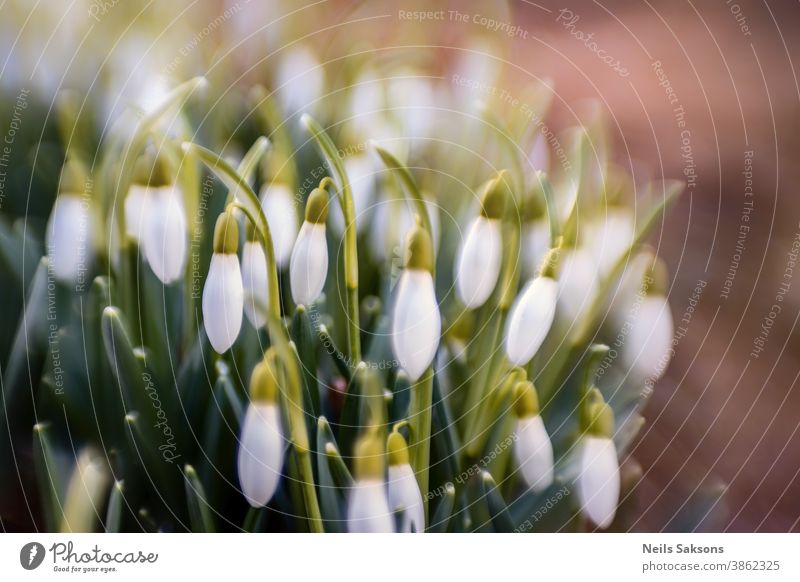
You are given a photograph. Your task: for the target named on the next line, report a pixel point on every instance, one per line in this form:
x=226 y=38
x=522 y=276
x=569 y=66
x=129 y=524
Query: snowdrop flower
x=532 y=314
x=648 y=346
x=417 y=324
x=223 y=295
x=300 y=80
x=254 y=280
x=368 y=507
x=309 y=265
x=279 y=207
x=532 y=449
x=480 y=255
x=360 y=170
x=404 y=492
x=610 y=236
x=261 y=445
x=577 y=283
x=70 y=229
x=155 y=216
x=598 y=481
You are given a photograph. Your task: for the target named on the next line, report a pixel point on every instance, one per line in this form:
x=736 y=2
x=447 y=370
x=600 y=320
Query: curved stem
x=330 y=154
x=249 y=204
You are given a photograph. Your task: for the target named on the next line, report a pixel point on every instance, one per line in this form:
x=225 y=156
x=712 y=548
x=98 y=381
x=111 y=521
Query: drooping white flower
x=404 y=494
x=261 y=445
x=532 y=447
x=165 y=239
x=648 y=346
x=136 y=210
x=530 y=319
x=70 y=229
x=309 y=265
x=577 y=284
x=300 y=80
x=368 y=505
x=480 y=255
x=391 y=222
x=478 y=265
x=255 y=283
x=598 y=479
x=361 y=173
x=281 y=212
x=223 y=294
x=534 y=245
x=609 y=236
x=417 y=324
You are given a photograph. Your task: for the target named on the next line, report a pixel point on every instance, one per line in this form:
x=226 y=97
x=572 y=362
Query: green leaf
x=331 y=496
x=199 y=510
x=306 y=347
x=251 y=159
x=50 y=480
x=115 y=504
x=444 y=510
x=501 y=518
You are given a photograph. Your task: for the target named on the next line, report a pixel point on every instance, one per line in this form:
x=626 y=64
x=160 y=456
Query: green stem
x=328 y=150
x=420 y=423
x=248 y=203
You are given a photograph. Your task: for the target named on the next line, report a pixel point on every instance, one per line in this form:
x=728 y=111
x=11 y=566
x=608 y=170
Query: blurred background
x=706 y=92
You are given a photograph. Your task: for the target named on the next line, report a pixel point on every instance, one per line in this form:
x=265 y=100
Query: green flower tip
x=527 y=402
x=493 y=204
x=599 y=415
x=153 y=168
x=317 y=207
x=420 y=250
x=549 y=266
x=397 y=449
x=73 y=178
x=264 y=380
x=368 y=463
x=226 y=234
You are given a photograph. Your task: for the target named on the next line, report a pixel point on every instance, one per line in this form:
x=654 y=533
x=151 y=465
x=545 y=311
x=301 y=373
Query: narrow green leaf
x=331 y=497
x=199 y=510
x=501 y=518
x=50 y=480
x=251 y=159
x=444 y=511
x=115 y=504
x=339 y=472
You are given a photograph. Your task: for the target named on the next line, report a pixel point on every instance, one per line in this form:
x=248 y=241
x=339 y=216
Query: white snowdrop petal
x=260 y=457
x=610 y=237
x=535 y=244
x=417 y=324
x=223 y=301
x=165 y=234
x=534 y=453
x=598 y=482
x=577 y=282
x=254 y=283
x=649 y=342
x=300 y=80
x=530 y=319
x=309 y=265
x=368 y=508
x=281 y=212
x=404 y=495
x=136 y=204
x=69 y=237
x=478 y=264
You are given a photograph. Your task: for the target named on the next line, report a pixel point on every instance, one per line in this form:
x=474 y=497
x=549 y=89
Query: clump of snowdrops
x=290 y=339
